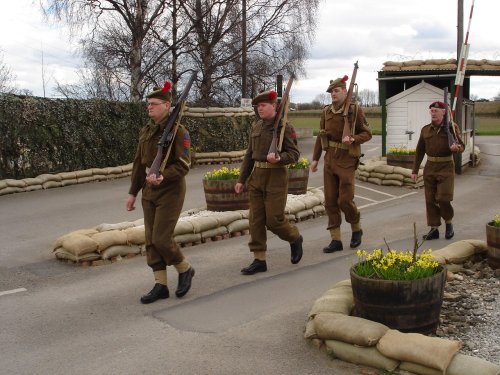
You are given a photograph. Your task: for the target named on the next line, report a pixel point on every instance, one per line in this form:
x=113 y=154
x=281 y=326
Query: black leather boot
x=356 y=238
x=256 y=266
x=432 y=235
x=335 y=245
x=184 y=283
x=159 y=291
x=449 y=233
x=296 y=250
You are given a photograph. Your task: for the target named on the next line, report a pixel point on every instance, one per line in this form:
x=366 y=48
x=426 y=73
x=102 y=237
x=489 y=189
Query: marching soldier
x=439 y=170
x=341 y=160
x=162 y=197
x=266 y=176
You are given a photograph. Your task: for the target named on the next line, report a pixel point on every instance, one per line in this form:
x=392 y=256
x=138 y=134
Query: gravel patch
x=471 y=310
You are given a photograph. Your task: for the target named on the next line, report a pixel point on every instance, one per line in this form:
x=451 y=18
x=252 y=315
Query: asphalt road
x=59 y=319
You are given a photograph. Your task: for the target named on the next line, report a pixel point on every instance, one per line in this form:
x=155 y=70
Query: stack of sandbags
x=219 y=157
x=49 y=180
x=376 y=171
x=305 y=206
x=219 y=112
x=104 y=242
x=439 y=64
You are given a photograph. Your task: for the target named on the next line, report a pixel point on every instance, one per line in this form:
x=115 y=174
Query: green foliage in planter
x=302 y=163
x=402 y=150
x=395 y=265
x=496 y=221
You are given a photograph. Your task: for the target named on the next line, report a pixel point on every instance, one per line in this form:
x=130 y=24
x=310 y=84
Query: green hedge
x=60 y=135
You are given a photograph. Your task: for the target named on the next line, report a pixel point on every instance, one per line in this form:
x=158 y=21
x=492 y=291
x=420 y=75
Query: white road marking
x=387 y=200
x=376 y=191
x=372 y=149
x=368 y=199
x=12 y=291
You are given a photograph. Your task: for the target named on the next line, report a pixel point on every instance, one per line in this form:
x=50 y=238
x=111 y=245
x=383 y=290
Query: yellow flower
x=223 y=173
x=302 y=163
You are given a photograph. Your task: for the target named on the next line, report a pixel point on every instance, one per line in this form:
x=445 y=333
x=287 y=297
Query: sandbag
x=431 y=352
x=384 y=169
x=238 y=226
x=226 y=217
x=394 y=176
x=86 y=232
x=341 y=301
x=32 y=181
x=52 y=184
x=49 y=177
x=460 y=251
x=201 y=224
x=60 y=253
x=368 y=356
x=67 y=175
x=135 y=235
x=109 y=238
x=377 y=175
x=392 y=183
x=83 y=173
x=463 y=364
x=304 y=213
x=69 y=182
x=183 y=227
x=188 y=238
x=118 y=226
x=349 y=329
x=3 y=184
x=374 y=180
x=121 y=250
x=84 y=180
x=309 y=331
x=419 y=369
x=405 y=172
x=219 y=231
x=138 y=222
x=79 y=244
x=294 y=206
x=33 y=187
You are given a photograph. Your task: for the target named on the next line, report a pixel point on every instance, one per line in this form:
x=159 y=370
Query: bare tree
x=6 y=77
x=121 y=35
x=367 y=97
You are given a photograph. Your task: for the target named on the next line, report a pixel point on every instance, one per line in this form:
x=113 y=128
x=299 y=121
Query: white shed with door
x=408 y=113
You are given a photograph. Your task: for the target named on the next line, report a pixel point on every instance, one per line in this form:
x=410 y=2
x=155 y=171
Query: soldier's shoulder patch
x=186 y=143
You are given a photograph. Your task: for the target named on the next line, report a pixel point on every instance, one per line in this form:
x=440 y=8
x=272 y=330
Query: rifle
x=347 y=128
x=274 y=148
x=168 y=135
x=447 y=123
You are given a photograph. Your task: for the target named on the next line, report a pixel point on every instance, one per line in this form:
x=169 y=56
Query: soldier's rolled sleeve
x=179 y=166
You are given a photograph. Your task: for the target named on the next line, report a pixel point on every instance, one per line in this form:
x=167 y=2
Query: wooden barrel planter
x=297 y=181
x=404 y=161
x=493 y=241
x=408 y=306
x=220 y=196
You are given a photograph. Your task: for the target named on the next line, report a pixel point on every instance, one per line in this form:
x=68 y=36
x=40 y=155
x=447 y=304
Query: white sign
x=246 y=102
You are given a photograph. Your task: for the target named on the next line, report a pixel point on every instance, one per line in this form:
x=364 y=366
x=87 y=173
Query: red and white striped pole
x=461 y=64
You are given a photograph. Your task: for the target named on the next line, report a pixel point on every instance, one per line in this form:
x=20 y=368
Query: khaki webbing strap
x=440 y=159
x=266 y=165
x=338 y=145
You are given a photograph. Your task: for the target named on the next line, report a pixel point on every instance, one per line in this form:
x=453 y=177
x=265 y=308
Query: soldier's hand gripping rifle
x=170 y=129
x=448 y=123
x=347 y=132
x=280 y=112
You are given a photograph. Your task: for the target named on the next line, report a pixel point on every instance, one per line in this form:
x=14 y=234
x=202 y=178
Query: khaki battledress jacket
x=267 y=185
x=341 y=162
x=161 y=204
x=439 y=171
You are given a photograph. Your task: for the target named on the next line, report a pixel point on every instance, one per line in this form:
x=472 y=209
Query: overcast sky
x=368 y=31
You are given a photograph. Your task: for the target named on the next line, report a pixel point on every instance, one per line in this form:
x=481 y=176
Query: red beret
x=438 y=105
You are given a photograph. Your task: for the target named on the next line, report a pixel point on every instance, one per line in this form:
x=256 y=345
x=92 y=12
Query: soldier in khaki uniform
x=341 y=160
x=163 y=196
x=439 y=170
x=266 y=176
